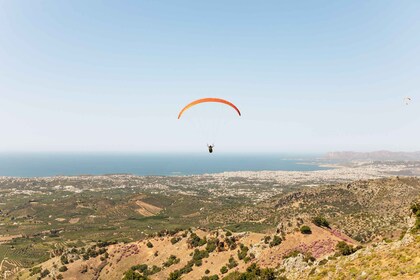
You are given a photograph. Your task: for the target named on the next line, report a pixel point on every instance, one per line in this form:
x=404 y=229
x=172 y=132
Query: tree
x=196 y=241
x=232 y=263
x=133 y=275
x=276 y=241
x=321 y=222
x=305 y=230
x=345 y=249
x=45 y=273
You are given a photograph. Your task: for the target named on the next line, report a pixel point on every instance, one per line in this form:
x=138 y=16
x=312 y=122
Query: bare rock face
x=294 y=267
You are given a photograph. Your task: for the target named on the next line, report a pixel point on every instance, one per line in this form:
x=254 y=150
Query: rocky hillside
x=315 y=238
x=366 y=210
x=188 y=254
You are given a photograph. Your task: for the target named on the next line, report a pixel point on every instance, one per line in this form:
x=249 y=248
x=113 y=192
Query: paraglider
x=210 y=148
x=407 y=100
x=205 y=100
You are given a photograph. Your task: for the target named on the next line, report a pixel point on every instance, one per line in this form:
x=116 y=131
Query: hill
x=99 y=227
x=373 y=156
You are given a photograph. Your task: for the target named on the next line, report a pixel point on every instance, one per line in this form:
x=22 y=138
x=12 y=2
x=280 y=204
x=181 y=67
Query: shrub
x=196 y=241
x=242 y=252
x=276 y=241
x=198 y=256
x=171 y=260
x=228 y=233
x=212 y=244
x=63 y=268
x=149 y=244
x=133 y=275
x=345 y=249
x=232 y=263
x=45 y=273
x=321 y=222
x=305 y=230
x=155 y=269
x=140 y=267
x=292 y=254
x=207 y=271
x=267 y=239
x=323 y=262
x=35 y=270
x=223 y=270
x=415 y=209
x=175 y=240
x=253 y=272
x=213 y=277
x=64 y=259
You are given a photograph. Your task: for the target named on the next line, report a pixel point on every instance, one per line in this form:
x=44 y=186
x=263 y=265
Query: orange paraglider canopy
x=210 y=99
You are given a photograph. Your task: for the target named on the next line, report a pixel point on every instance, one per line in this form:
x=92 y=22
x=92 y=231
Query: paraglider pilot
x=210 y=148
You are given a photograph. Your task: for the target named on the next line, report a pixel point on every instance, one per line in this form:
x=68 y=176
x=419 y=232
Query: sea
x=72 y=164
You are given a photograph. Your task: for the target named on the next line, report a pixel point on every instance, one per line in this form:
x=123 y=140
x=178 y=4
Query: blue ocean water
x=51 y=164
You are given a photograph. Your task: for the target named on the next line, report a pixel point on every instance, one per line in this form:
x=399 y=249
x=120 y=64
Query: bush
x=228 y=233
x=140 y=267
x=232 y=263
x=155 y=269
x=305 y=230
x=415 y=209
x=253 y=272
x=345 y=249
x=196 y=241
x=321 y=222
x=276 y=241
x=207 y=271
x=267 y=239
x=212 y=244
x=133 y=275
x=171 y=260
x=63 y=268
x=223 y=270
x=198 y=256
x=45 y=273
x=149 y=244
x=175 y=275
x=292 y=254
x=175 y=240
x=64 y=259
x=242 y=252
x=213 y=277
x=35 y=270
x=178 y=273
x=323 y=262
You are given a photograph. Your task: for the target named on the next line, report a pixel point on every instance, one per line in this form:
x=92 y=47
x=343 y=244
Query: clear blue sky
x=309 y=76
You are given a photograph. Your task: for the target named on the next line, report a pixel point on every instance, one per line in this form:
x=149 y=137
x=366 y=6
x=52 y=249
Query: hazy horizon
x=308 y=77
